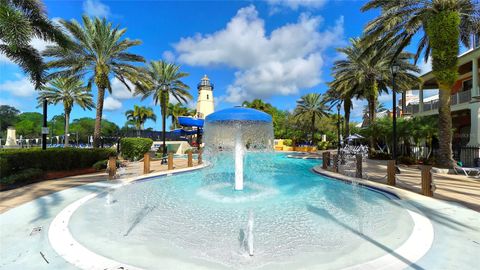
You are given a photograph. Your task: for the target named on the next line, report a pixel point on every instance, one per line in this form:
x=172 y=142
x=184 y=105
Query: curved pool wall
x=456 y=230
x=188 y=221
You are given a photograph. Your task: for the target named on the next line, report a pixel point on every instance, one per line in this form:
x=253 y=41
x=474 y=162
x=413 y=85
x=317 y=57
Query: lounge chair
x=468 y=171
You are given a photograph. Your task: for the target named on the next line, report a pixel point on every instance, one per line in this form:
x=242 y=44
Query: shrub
x=52 y=159
x=102 y=164
x=407 y=160
x=24 y=176
x=287 y=142
x=380 y=156
x=135 y=148
x=323 y=145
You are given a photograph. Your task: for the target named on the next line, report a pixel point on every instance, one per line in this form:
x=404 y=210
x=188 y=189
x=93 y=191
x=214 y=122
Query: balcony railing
x=458 y=98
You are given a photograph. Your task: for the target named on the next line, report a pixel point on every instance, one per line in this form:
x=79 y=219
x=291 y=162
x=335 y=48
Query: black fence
x=154 y=135
x=468 y=155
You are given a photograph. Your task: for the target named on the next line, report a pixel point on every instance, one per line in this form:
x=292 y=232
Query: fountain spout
x=250 y=233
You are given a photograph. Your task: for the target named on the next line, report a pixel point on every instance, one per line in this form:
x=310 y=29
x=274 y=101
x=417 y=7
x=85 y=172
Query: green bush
x=102 y=164
x=323 y=145
x=380 y=156
x=52 y=159
x=288 y=142
x=407 y=160
x=135 y=148
x=24 y=176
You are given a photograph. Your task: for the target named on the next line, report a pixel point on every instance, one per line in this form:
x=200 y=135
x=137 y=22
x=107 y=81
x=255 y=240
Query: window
x=207 y=96
x=467 y=85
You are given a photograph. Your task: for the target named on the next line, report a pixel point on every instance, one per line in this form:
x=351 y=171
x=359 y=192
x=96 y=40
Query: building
x=205 y=105
x=465 y=105
x=465 y=100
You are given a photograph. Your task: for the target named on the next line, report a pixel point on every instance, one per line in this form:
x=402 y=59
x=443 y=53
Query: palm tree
x=443 y=25
x=368 y=72
x=99 y=53
x=164 y=79
x=311 y=106
x=139 y=115
x=258 y=104
x=176 y=110
x=68 y=91
x=342 y=93
x=20 y=21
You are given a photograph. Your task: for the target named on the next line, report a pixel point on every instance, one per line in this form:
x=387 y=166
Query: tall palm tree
x=164 y=79
x=342 y=93
x=139 y=115
x=311 y=106
x=368 y=71
x=20 y=21
x=443 y=24
x=99 y=52
x=68 y=91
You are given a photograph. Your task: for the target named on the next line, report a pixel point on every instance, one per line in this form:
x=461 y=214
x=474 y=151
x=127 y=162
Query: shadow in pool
x=139 y=217
x=325 y=214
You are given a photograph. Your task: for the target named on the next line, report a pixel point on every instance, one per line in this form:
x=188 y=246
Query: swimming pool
x=196 y=220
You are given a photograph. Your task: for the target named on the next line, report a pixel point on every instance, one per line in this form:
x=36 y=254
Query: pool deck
x=457 y=188
x=15 y=197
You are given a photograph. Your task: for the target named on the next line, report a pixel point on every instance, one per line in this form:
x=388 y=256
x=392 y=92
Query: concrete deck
x=450 y=187
x=15 y=197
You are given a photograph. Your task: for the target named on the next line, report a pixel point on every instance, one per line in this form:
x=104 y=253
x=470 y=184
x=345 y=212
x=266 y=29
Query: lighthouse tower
x=205 y=98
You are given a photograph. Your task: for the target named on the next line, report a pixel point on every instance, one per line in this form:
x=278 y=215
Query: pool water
x=196 y=219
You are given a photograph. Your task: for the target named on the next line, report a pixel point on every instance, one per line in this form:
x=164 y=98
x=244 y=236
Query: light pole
x=395 y=69
x=338 y=127
x=164 y=112
x=45 y=128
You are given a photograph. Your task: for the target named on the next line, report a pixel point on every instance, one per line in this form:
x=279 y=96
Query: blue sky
x=275 y=50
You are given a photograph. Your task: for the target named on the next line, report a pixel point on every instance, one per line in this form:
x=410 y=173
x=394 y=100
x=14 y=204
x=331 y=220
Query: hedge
x=135 y=148
x=13 y=161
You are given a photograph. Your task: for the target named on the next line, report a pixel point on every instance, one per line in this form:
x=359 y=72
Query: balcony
x=458 y=98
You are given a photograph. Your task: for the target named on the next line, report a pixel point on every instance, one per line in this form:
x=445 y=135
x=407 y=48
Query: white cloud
x=20 y=88
x=96 y=8
x=168 y=56
x=295 y=4
x=36 y=43
x=282 y=62
x=11 y=102
x=357 y=110
x=111 y=104
x=425 y=66
x=120 y=91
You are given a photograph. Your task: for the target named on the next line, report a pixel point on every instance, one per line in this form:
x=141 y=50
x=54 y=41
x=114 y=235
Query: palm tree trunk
x=313 y=129
x=98 y=118
x=67 y=126
x=445 y=156
x=347 y=104
x=371 y=120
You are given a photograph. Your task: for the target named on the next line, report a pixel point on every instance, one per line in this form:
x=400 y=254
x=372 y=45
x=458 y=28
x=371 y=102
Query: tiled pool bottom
x=460 y=227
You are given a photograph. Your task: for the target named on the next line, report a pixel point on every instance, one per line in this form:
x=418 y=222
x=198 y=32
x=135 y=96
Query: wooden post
x=112 y=167
x=358 y=171
x=335 y=163
x=146 y=163
x=170 y=161
x=190 y=159
x=427 y=181
x=391 y=172
x=199 y=159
